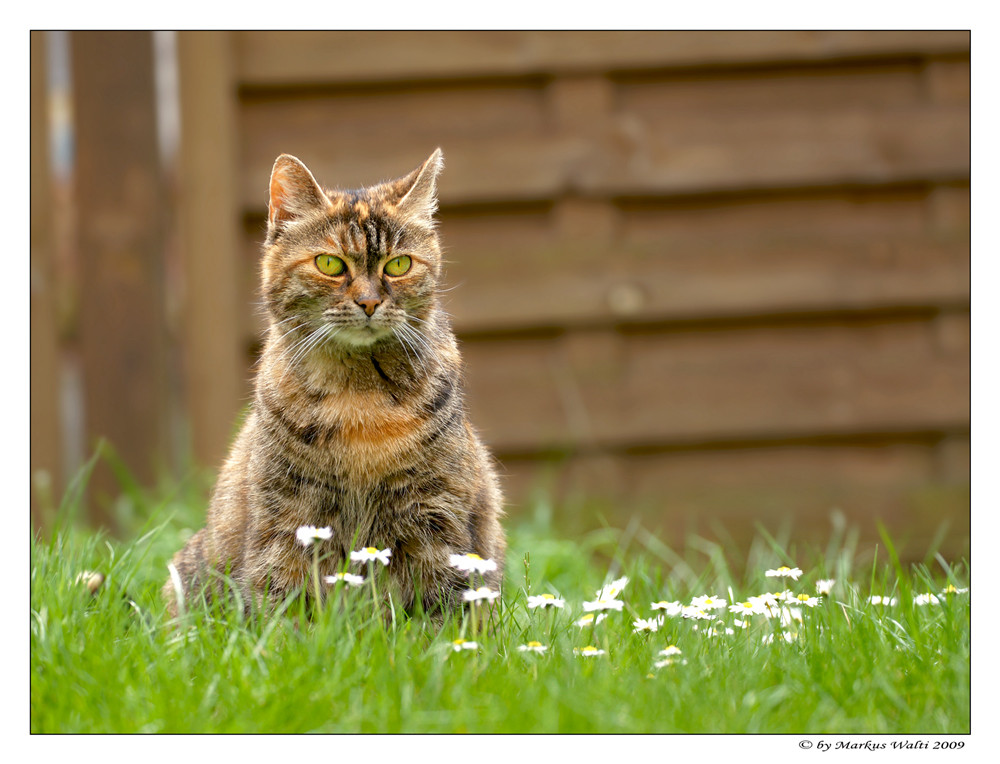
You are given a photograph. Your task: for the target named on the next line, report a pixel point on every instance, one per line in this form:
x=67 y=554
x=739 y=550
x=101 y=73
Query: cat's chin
x=361 y=337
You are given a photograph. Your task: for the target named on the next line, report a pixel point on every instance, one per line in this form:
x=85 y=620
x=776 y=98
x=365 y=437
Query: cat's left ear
x=418 y=190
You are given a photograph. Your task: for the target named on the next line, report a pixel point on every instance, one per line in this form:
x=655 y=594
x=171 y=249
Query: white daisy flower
x=471 y=563
x=746 y=608
x=784 y=572
x=825 y=586
x=669 y=662
x=805 y=599
x=482 y=593
x=787 y=636
x=612 y=590
x=708 y=602
x=647 y=624
x=533 y=647
x=767 y=604
x=670 y=608
x=876 y=599
x=545 y=600
x=926 y=599
x=952 y=589
x=587 y=652
x=711 y=631
x=589 y=620
x=347 y=578
x=371 y=554
x=689 y=611
x=670 y=650
x=307 y=534
x=789 y=614
x=463 y=644
x=603 y=604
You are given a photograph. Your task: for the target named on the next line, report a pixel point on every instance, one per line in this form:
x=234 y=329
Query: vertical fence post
x=45 y=441
x=214 y=355
x=120 y=198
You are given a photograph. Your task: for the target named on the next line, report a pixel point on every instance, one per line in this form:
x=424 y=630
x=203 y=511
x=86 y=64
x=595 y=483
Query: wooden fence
x=715 y=278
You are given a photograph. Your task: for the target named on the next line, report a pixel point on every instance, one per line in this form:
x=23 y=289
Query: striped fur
x=358 y=422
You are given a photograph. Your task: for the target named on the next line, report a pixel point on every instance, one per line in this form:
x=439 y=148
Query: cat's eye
x=398 y=265
x=330 y=265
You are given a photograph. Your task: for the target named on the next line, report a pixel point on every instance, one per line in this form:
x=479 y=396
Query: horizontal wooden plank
x=283 y=58
x=703 y=153
x=688 y=154
x=586 y=285
x=724 y=494
x=601 y=387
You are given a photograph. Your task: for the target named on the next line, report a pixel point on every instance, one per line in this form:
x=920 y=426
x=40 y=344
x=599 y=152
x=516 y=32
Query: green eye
x=398 y=266
x=330 y=265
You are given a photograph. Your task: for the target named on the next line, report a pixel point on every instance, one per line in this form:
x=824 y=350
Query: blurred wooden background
x=712 y=278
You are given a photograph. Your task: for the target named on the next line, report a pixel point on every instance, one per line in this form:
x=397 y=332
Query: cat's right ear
x=294 y=193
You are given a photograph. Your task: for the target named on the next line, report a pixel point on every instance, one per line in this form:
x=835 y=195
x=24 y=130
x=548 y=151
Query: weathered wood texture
x=46 y=464
x=120 y=197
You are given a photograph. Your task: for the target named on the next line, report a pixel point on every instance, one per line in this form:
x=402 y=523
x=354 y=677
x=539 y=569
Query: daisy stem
x=315 y=572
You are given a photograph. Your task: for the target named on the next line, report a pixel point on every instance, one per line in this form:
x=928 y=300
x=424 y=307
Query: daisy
x=671 y=608
x=471 y=563
x=307 y=534
x=745 y=608
x=588 y=620
x=825 y=586
x=668 y=662
x=347 y=578
x=370 y=554
x=789 y=614
x=603 y=604
x=689 y=611
x=875 y=599
x=805 y=599
x=482 y=593
x=713 y=632
x=587 y=652
x=670 y=650
x=545 y=600
x=463 y=644
x=926 y=599
x=951 y=589
x=533 y=647
x=784 y=572
x=708 y=602
x=767 y=604
x=612 y=590
x=647 y=624
x=785 y=635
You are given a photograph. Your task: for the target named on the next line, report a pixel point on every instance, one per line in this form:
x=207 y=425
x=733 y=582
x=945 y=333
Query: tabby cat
x=358 y=421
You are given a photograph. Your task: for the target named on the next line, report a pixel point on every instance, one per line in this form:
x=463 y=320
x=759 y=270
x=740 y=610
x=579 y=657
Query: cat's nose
x=369 y=304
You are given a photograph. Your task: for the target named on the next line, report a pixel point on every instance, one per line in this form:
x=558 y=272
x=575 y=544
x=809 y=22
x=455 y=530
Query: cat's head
x=350 y=267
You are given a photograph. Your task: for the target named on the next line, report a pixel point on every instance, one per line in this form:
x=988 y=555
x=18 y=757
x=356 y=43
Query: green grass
x=113 y=663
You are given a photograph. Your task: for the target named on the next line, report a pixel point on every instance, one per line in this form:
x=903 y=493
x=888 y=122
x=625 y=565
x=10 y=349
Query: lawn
x=819 y=663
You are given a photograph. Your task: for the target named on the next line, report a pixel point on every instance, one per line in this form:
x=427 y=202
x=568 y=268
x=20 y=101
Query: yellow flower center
x=473 y=556
x=548 y=596
x=371 y=550
x=784 y=569
x=458 y=642
x=533 y=643
x=803 y=597
x=950 y=589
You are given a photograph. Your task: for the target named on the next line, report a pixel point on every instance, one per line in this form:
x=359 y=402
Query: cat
x=358 y=421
